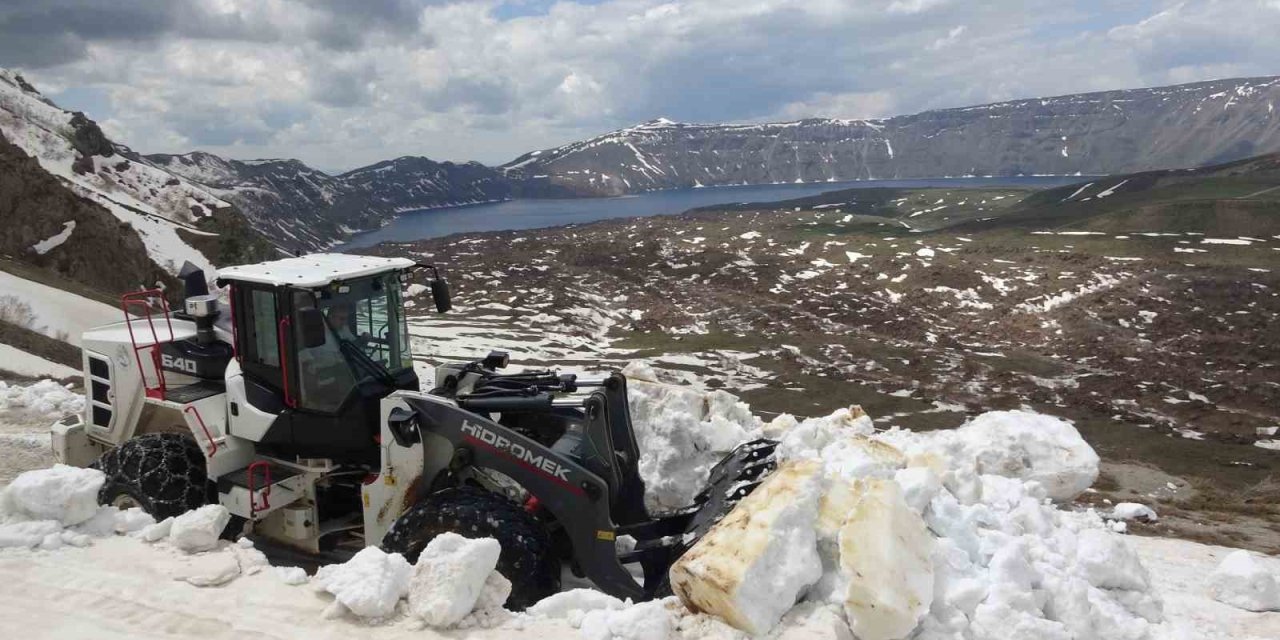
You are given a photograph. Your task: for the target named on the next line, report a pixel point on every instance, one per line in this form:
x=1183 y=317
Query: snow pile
x=573 y=605
x=50 y=508
x=45 y=397
x=199 y=529
x=753 y=565
x=455 y=576
x=369 y=585
x=1133 y=511
x=946 y=534
x=1243 y=582
x=682 y=432
x=1015 y=444
x=645 y=621
x=68 y=495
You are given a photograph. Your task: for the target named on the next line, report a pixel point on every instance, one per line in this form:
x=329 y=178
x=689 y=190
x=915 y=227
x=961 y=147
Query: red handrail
x=266 y=489
x=289 y=400
x=235 y=335
x=213 y=446
x=141 y=297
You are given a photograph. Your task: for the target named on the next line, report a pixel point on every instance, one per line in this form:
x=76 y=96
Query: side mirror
x=311 y=326
x=440 y=295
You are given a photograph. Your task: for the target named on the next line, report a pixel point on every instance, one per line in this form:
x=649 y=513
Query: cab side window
x=263 y=346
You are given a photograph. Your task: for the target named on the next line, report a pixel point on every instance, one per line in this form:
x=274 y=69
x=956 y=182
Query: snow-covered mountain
x=1092 y=133
x=85 y=208
x=299 y=207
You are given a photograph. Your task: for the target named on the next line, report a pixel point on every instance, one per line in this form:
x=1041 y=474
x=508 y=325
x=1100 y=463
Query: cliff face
x=1094 y=133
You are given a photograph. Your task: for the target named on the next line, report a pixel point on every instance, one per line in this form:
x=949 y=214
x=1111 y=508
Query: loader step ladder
x=144 y=300
x=258 y=489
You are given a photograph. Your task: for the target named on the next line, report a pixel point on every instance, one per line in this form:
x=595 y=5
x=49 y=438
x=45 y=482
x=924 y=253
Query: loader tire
x=527 y=558
x=163 y=473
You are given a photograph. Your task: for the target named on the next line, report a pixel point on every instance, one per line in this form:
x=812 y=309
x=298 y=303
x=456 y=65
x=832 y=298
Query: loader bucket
x=731 y=480
x=662 y=540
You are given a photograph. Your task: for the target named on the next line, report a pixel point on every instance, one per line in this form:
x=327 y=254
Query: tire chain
x=165 y=472
x=526 y=558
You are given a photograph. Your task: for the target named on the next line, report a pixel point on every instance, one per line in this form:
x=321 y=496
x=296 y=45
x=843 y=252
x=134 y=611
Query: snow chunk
x=449 y=578
x=573 y=605
x=885 y=553
x=645 y=621
x=369 y=584
x=1242 y=582
x=291 y=576
x=208 y=569
x=132 y=521
x=1107 y=562
x=1033 y=446
x=31 y=534
x=63 y=493
x=751 y=567
x=1133 y=511
x=198 y=530
x=157 y=531
x=45 y=397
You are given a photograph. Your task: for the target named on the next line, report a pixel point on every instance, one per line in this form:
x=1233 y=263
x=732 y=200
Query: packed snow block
x=1031 y=446
x=63 y=493
x=1243 y=582
x=369 y=584
x=645 y=621
x=198 y=530
x=450 y=577
x=752 y=566
x=885 y=553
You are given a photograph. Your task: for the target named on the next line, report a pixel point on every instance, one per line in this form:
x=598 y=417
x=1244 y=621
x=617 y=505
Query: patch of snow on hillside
x=54 y=312
x=1103 y=194
x=56 y=240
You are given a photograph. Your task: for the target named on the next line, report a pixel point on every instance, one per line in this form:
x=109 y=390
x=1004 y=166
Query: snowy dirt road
x=123 y=588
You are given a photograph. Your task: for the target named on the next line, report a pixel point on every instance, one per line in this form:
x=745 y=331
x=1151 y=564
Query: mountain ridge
x=300 y=208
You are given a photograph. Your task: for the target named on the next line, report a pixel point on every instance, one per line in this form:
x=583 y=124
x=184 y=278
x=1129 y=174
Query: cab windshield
x=366 y=339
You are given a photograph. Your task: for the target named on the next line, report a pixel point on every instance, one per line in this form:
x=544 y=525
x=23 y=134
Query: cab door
x=261 y=329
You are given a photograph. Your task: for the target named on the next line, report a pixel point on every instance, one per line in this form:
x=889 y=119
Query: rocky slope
x=1094 y=133
x=81 y=207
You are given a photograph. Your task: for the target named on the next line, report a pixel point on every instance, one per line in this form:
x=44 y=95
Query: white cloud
x=869 y=105
x=340 y=83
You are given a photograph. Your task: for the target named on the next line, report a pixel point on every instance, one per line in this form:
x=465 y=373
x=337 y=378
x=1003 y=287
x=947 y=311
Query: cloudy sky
x=343 y=83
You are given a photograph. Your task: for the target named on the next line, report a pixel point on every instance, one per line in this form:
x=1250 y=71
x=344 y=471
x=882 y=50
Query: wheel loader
x=289 y=396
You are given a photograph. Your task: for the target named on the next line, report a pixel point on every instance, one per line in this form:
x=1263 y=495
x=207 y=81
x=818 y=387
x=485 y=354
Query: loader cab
x=319 y=341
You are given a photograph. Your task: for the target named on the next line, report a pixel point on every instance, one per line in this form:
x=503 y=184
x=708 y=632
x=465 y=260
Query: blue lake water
x=533 y=214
